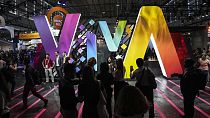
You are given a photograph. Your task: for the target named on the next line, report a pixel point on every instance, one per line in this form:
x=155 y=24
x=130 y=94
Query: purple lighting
x=68 y=32
x=66 y=36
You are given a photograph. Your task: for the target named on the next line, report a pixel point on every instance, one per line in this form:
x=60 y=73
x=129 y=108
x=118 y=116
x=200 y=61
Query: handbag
x=101 y=106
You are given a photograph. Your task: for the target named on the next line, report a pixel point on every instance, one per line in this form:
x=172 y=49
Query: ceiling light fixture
x=117 y=5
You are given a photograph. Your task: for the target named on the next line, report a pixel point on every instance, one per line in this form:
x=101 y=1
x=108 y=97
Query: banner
x=29 y=36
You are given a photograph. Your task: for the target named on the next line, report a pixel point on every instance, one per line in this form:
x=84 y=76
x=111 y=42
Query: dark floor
x=168 y=101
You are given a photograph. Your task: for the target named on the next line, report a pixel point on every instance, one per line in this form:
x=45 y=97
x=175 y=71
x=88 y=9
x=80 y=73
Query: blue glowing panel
x=77 y=69
x=112 y=43
x=91 y=46
x=71 y=60
x=82 y=59
x=91 y=22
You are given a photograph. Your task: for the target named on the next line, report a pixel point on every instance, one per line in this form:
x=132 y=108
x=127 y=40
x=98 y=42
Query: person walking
x=48 y=66
x=68 y=99
x=146 y=83
x=30 y=85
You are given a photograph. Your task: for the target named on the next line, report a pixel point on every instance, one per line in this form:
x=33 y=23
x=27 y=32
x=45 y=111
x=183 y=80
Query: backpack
x=147 y=79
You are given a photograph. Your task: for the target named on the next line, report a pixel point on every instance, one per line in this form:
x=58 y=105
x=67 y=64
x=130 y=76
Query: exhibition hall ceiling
x=176 y=12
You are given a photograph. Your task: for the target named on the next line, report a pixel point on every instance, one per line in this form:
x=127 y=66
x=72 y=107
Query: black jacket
x=189 y=82
x=68 y=99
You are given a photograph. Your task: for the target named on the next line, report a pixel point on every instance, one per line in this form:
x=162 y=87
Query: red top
x=47 y=63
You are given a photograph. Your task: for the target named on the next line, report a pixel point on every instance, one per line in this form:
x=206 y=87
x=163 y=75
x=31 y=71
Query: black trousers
x=13 y=83
x=59 y=71
x=148 y=92
x=109 y=101
x=189 y=99
x=27 y=88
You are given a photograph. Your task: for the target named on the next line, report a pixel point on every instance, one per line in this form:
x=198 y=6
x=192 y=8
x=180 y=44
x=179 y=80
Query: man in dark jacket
x=68 y=99
x=189 y=87
x=58 y=64
x=145 y=82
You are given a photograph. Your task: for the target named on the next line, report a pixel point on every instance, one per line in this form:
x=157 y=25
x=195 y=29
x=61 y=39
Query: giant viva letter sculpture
x=151 y=25
x=66 y=35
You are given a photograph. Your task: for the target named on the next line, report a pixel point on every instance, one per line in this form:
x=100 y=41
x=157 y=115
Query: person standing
x=145 y=82
x=106 y=79
x=131 y=103
x=68 y=99
x=92 y=62
x=89 y=92
x=110 y=62
x=30 y=85
x=189 y=87
x=4 y=96
x=119 y=81
x=48 y=66
x=58 y=64
x=64 y=57
x=204 y=68
x=11 y=69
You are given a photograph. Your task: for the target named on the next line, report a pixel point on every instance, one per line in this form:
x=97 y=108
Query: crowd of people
x=96 y=90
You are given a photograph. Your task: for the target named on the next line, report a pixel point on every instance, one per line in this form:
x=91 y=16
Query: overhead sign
x=150 y=25
x=2 y=21
x=29 y=36
x=57 y=20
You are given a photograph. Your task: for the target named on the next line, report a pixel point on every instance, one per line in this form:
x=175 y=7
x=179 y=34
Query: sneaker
x=45 y=103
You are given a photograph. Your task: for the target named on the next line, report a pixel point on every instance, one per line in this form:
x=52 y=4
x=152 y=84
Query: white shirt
x=57 y=61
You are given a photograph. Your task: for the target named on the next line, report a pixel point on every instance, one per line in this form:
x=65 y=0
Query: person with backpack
x=30 y=84
x=189 y=87
x=145 y=82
